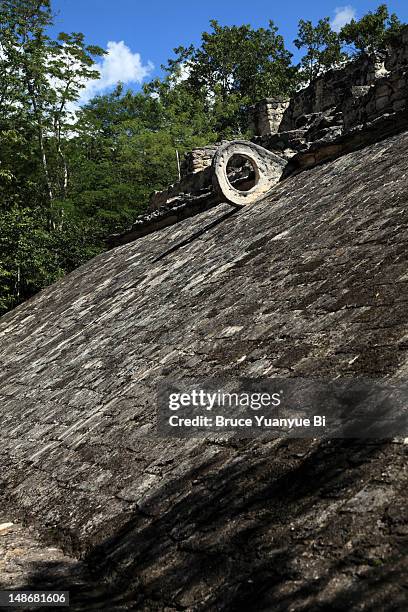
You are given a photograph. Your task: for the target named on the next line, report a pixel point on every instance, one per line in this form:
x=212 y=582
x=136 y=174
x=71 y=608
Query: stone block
x=382 y=103
x=399 y=105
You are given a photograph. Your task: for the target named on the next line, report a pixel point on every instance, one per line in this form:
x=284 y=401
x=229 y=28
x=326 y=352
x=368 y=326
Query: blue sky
x=141 y=35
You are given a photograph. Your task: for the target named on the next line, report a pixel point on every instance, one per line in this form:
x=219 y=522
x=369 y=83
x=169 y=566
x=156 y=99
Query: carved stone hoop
x=267 y=166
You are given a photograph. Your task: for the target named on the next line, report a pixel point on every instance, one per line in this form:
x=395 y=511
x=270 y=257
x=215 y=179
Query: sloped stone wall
x=312 y=281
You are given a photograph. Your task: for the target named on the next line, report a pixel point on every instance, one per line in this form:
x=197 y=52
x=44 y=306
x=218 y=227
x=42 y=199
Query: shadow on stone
x=252 y=536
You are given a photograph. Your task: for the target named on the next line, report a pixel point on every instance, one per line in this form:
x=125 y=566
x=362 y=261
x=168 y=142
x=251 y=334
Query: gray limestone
x=311 y=281
x=267 y=168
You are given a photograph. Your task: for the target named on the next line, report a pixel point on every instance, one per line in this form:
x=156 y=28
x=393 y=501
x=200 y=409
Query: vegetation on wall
x=67 y=180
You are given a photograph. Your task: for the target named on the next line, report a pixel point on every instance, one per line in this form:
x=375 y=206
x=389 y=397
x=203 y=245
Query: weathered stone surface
x=334 y=145
x=29 y=564
x=377 y=101
x=25 y=560
x=193 y=183
x=312 y=281
x=266 y=116
x=169 y=213
x=198 y=159
x=341 y=111
x=267 y=168
x=367 y=91
x=328 y=91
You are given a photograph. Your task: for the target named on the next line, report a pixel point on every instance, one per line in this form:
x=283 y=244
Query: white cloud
x=182 y=73
x=185 y=70
x=342 y=15
x=119 y=64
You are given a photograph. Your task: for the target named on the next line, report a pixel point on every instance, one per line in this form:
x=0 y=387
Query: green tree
x=323 y=49
x=41 y=77
x=126 y=148
x=31 y=257
x=372 y=32
x=235 y=66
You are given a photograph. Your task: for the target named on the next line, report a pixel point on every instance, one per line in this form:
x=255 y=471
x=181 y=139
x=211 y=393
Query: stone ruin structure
x=310 y=280
x=340 y=111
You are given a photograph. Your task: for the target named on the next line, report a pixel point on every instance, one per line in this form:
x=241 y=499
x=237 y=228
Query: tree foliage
x=41 y=77
x=126 y=148
x=234 y=67
x=372 y=32
x=323 y=48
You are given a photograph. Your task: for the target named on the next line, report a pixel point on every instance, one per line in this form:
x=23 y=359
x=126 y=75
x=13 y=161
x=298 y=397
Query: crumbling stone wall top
x=342 y=110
